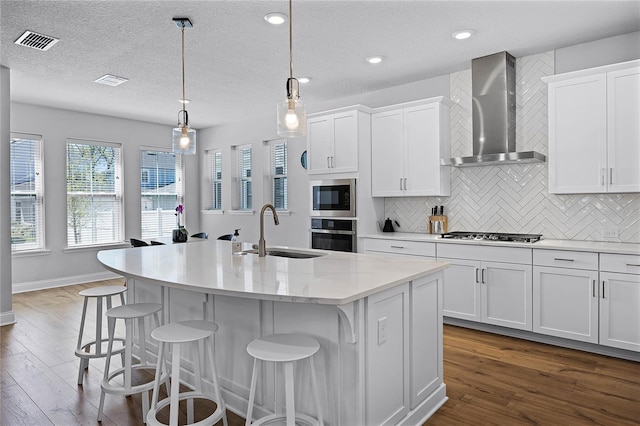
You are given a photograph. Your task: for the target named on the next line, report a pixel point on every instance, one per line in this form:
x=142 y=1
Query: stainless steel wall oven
x=333 y=234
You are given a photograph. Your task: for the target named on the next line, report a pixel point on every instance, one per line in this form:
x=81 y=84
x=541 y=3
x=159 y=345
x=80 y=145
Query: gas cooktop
x=492 y=236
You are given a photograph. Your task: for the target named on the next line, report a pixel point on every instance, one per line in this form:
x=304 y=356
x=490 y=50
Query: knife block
x=437 y=221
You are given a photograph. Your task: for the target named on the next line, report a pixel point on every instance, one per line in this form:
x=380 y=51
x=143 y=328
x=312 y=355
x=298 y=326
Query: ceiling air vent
x=36 y=41
x=111 y=80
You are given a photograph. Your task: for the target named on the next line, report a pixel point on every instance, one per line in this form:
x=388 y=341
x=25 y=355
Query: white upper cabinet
x=594 y=131
x=407 y=142
x=333 y=138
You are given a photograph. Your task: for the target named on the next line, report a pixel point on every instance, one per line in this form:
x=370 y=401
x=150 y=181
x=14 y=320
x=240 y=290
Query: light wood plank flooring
x=490 y=379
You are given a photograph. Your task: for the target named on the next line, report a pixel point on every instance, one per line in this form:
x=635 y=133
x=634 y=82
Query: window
x=244 y=177
x=27 y=194
x=161 y=190
x=94 y=193
x=277 y=188
x=215 y=168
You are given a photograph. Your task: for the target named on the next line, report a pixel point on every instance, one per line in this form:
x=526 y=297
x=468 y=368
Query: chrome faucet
x=262 y=244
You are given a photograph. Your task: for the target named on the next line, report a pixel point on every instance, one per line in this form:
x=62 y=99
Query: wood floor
x=490 y=379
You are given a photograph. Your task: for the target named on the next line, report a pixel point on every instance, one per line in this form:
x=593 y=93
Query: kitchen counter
x=575 y=245
x=378 y=319
x=336 y=278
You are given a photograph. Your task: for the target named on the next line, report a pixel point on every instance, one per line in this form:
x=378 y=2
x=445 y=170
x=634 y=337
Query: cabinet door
x=426 y=338
x=422 y=150
x=345 y=143
x=623 y=107
x=387 y=149
x=506 y=291
x=577 y=135
x=461 y=297
x=619 y=312
x=565 y=303
x=319 y=144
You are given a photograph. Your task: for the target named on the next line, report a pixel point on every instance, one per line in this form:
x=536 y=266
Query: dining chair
x=138 y=243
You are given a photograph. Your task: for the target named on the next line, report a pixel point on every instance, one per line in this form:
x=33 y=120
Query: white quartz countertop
x=575 y=245
x=337 y=278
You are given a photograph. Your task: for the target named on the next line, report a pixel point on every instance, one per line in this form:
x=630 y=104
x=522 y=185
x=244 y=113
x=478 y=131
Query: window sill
x=212 y=211
x=241 y=212
x=96 y=247
x=29 y=253
x=280 y=212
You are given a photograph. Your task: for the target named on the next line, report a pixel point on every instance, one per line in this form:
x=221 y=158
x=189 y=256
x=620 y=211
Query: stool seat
x=136 y=310
x=283 y=347
x=86 y=350
x=184 y=331
x=177 y=334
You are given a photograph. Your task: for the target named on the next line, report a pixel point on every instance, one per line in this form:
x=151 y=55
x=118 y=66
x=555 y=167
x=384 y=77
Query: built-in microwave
x=333 y=198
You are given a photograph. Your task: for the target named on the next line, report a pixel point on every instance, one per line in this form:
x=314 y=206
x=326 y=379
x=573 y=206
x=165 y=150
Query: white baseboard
x=7 y=318
x=62 y=281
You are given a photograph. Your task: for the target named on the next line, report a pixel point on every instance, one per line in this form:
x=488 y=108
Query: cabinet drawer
x=625 y=263
x=413 y=248
x=485 y=252
x=566 y=259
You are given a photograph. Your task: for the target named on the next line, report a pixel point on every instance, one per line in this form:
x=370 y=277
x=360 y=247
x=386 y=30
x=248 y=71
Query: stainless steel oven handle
x=331 y=231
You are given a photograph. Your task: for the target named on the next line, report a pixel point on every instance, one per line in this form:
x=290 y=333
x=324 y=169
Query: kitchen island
x=378 y=319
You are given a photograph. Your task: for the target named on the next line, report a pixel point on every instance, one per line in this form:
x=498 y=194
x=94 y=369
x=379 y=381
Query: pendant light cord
x=183 y=92
x=290 y=42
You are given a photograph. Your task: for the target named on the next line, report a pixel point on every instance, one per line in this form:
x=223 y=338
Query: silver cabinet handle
x=332 y=166
x=328 y=163
x=398 y=247
x=594 y=288
x=564 y=260
x=405 y=184
x=477 y=280
x=602 y=177
x=633 y=264
x=400 y=184
x=603 y=290
x=483 y=270
x=611 y=176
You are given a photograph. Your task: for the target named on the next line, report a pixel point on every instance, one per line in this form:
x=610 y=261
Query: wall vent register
x=492 y=236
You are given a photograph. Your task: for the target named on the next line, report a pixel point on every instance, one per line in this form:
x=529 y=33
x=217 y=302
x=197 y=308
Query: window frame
x=215 y=183
x=118 y=195
x=272 y=176
x=243 y=184
x=38 y=193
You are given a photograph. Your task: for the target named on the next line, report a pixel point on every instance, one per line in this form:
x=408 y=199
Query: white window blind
x=94 y=193
x=161 y=190
x=27 y=192
x=215 y=169
x=276 y=187
x=244 y=183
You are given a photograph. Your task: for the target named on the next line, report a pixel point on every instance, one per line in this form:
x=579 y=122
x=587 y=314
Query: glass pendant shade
x=292 y=118
x=184 y=141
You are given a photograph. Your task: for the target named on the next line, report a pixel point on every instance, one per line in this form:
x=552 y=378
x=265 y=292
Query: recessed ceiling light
x=304 y=80
x=275 y=18
x=374 y=59
x=462 y=34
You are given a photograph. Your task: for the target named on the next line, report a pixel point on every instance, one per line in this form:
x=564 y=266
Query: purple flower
x=180 y=208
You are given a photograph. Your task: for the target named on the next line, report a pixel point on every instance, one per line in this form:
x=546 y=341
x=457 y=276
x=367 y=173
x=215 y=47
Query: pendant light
x=292 y=117
x=184 y=138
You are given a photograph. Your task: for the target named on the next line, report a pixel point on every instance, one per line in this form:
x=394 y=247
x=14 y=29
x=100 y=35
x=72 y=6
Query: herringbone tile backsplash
x=514 y=198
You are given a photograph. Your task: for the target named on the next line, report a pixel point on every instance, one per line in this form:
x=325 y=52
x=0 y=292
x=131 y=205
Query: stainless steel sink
x=292 y=254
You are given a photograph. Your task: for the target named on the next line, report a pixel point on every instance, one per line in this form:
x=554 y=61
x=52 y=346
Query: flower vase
x=179 y=236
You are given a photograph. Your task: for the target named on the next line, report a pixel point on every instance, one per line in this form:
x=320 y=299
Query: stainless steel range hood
x=493 y=80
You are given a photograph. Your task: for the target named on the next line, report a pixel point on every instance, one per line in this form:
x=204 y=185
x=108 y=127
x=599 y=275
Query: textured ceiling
x=237 y=64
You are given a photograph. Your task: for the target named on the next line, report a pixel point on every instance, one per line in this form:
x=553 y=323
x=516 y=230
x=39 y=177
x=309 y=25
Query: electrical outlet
x=382 y=330
x=610 y=233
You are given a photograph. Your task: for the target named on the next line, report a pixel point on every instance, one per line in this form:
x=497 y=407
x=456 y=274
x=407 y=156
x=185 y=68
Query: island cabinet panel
x=426 y=338
x=387 y=388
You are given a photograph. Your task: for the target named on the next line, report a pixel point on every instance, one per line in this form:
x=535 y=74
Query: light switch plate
x=610 y=233
x=382 y=330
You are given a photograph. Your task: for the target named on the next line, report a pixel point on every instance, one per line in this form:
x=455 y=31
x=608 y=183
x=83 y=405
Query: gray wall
x=596 y=53
x=59 y=265
x=6 y=305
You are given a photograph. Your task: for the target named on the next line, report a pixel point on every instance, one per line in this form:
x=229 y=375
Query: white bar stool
x=134 y=311
x=284 y=348
x=84 y=350
x=176 y=334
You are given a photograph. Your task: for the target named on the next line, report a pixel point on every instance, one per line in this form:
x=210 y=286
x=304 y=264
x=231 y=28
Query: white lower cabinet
x=620 y=301
x=565 y=294
x=477 y=288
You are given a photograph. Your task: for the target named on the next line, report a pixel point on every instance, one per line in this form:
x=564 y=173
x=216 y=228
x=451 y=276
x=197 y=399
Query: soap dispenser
x=236 y=245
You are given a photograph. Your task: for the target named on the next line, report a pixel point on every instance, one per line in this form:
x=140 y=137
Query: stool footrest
x=213 y=418
x=83 y=353
x=117 y=389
